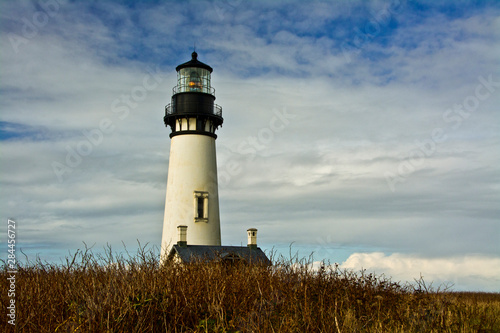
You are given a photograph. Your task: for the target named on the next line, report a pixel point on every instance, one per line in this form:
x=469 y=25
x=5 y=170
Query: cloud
x=472 y=272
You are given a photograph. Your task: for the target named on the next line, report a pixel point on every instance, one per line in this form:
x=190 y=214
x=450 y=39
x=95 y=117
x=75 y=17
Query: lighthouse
x=192 y=199
x=191 y=225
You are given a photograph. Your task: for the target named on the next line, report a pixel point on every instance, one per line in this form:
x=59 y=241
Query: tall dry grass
x=110 y=293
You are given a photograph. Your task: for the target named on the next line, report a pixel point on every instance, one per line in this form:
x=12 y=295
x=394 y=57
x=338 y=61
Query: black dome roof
x=194 y=62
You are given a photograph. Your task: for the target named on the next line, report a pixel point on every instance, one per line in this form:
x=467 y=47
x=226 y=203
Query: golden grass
x=93 y=293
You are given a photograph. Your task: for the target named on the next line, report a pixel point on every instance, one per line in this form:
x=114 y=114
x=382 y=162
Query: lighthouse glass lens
x=193 y=79
x=194 y=83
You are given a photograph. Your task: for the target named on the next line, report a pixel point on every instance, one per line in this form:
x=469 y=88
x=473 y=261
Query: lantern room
x=194 y=76
x=193 y=109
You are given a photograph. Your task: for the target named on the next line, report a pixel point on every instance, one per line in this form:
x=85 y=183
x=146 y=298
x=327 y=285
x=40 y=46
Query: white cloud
x=471 y=272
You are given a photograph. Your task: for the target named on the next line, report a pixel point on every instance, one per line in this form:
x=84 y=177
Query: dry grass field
x=95 y=293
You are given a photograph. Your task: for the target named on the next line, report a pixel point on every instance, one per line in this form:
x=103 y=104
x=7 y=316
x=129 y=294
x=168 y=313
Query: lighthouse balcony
x=171 y=109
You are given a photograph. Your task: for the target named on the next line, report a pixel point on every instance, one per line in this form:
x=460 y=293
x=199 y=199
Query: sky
x=363 y=133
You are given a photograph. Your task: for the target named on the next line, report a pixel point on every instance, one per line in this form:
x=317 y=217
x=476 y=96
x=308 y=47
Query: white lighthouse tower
x=192 y=198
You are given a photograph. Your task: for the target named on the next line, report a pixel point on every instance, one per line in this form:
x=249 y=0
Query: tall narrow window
x=200 y=206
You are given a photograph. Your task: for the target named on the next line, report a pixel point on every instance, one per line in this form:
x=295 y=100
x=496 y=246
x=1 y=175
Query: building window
x=200 y=206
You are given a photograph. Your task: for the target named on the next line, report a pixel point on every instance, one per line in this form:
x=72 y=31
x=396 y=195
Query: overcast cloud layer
x=365 y=132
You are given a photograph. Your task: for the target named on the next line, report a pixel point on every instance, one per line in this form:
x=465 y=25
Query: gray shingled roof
x=208 y=253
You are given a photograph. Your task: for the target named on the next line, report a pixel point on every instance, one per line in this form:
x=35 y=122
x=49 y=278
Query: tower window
x=200 y=124
x=200 y=206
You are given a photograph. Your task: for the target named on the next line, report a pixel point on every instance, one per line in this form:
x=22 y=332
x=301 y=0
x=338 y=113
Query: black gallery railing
x=170 y=110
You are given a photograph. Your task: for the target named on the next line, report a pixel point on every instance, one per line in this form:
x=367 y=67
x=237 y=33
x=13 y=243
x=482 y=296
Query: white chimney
x=182 y=238
x=252 y=238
